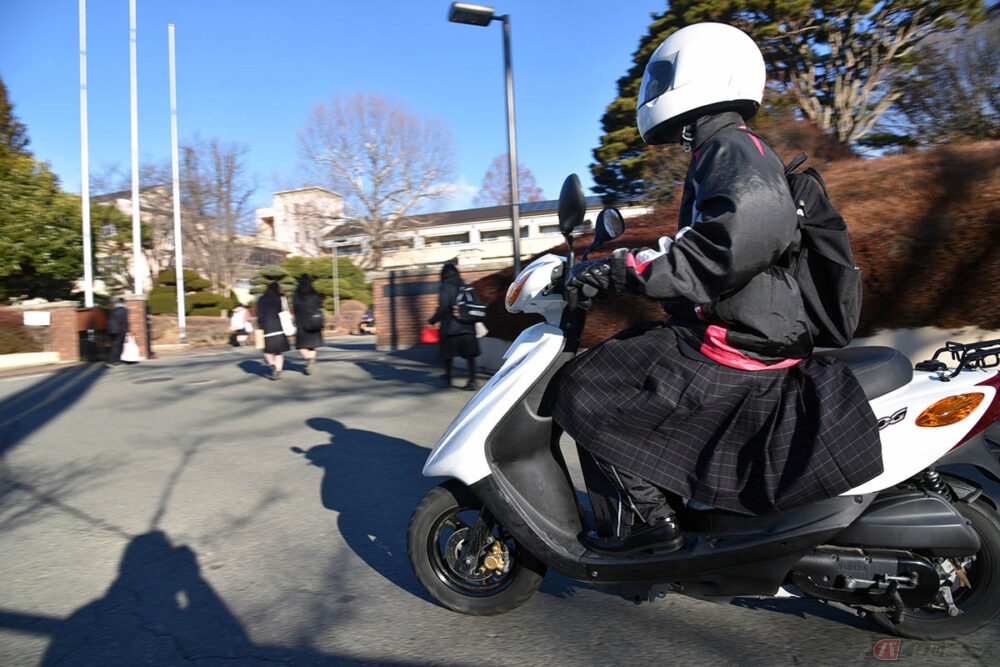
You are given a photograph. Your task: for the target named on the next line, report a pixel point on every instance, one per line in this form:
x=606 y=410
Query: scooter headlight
x=950 y=410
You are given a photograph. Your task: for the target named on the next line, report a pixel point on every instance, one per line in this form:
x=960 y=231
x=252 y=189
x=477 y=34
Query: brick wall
x=64 y=337
x=137 y=321
x=406 y=299
x=67 y=320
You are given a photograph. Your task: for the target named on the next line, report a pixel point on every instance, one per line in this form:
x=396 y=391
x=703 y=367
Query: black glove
x=587 y=280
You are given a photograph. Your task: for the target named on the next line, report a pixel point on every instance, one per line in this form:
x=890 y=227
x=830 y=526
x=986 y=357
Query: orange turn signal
x=950 y=410
x=515 y=289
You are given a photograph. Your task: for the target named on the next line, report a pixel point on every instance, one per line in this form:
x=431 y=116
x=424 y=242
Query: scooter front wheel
x=484 y=581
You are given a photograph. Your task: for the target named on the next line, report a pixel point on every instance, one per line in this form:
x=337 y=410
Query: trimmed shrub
x=16 y=338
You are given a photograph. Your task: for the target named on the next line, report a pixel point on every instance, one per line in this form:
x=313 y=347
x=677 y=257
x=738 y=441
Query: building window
x=496 y=235
x=450 y=239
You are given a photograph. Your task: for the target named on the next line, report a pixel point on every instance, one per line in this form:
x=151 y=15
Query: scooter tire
x=979 y=603
x=446 y=510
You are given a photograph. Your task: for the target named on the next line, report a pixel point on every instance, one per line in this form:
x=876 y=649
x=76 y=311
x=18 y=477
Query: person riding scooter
x=722 y=404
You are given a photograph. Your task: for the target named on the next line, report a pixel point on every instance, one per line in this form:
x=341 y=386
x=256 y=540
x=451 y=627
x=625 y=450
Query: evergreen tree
x=832 y=58
x=13 y=133
x=620 y=160
x=40 y=231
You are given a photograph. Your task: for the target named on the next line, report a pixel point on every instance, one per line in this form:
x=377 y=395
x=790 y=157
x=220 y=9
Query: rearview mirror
x=610 y=225
x=572 y=204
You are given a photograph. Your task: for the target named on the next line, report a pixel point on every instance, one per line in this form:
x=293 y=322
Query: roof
x=468 y=215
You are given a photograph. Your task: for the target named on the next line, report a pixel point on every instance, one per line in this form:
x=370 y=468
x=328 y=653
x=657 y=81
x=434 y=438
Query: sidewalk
x=488 y=362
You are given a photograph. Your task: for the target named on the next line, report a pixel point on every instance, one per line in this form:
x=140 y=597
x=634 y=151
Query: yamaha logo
x=896 y=417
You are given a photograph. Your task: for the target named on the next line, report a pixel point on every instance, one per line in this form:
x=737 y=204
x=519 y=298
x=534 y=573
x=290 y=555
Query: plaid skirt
x=752 y=442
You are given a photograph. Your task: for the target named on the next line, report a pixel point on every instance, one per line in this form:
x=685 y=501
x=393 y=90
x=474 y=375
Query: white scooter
x=917 y=548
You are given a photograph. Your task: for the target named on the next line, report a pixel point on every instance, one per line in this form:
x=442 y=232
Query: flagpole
x=88 y=269
x=136 y=221
x=178 y=240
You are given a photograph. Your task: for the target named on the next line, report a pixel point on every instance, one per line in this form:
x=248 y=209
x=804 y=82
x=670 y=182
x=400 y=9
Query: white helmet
x=701 y=68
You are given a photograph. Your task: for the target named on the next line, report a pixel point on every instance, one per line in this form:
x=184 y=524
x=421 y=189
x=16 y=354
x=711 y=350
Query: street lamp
x=481 y=15
x=332 y=244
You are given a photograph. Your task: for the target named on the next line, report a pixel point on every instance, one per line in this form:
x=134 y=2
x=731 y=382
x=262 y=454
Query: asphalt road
x=188 y=511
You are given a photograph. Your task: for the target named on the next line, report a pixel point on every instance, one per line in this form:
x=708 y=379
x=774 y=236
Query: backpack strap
x=795 y=163
x=811 y=171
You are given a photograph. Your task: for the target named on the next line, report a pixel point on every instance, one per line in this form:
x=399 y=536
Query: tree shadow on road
x=27 y=411
x=381 y=371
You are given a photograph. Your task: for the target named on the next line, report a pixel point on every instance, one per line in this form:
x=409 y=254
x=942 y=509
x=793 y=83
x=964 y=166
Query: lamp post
x=332 y=244
x=481 y=15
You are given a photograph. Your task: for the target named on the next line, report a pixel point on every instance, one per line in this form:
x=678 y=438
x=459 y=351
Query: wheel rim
x=444 y=544
x=975 y=568
x=977 y=572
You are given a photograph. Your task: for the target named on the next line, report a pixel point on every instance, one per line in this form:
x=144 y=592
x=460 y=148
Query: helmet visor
x=659 y=78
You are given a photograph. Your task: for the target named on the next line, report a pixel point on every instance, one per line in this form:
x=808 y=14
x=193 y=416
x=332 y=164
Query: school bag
x=313 y=322
x=821 y=261
x=468 y=308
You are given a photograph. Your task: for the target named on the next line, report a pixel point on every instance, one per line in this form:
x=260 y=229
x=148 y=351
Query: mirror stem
x=570 y=253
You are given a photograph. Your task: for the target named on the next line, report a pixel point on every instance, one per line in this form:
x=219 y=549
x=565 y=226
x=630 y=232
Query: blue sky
x=250 y=71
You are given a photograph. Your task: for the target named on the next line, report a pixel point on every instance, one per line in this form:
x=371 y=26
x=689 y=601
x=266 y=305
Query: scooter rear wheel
x=502 y=579
x=976 y=593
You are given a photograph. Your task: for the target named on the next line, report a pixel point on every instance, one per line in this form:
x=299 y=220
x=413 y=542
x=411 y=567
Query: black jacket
x=447 y=293
x=268 y=308
x=306 y=305
x=737 y=218
x=117 y=320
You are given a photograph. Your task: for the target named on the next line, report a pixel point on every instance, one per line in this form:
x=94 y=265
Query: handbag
x=285 y=317
x=430 y=335
x=130 y=349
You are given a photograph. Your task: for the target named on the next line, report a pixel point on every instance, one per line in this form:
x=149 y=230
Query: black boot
x=663 y=535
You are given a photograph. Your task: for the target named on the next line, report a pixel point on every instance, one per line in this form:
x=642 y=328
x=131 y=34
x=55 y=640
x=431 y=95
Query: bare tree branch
x=384 y=161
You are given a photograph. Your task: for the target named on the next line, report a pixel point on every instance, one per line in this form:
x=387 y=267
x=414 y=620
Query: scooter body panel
x=908 y=448
x=461 y=452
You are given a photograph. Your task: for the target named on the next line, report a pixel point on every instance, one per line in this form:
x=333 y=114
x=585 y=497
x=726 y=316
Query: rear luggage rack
x=985 y=354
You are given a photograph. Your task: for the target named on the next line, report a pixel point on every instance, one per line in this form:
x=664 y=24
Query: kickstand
x=897 y=603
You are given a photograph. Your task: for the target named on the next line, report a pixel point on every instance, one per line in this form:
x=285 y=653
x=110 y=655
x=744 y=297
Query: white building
x=300 y=219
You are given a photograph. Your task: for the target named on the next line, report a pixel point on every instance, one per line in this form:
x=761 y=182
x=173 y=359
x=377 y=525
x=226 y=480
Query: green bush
x=163 y=300
x=197 y=300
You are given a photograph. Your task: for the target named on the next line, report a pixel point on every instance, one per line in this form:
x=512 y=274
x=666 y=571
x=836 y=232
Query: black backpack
x=822 y=262
x=313 y=322
x=468 y=308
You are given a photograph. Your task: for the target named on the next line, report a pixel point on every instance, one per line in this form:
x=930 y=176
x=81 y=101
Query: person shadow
x=374 y=483
x=160 y=611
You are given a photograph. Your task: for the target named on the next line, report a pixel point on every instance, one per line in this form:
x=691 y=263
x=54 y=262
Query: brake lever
x=556 y=284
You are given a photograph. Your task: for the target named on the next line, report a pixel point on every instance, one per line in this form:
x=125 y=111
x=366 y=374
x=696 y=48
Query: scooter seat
x=879 y=370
